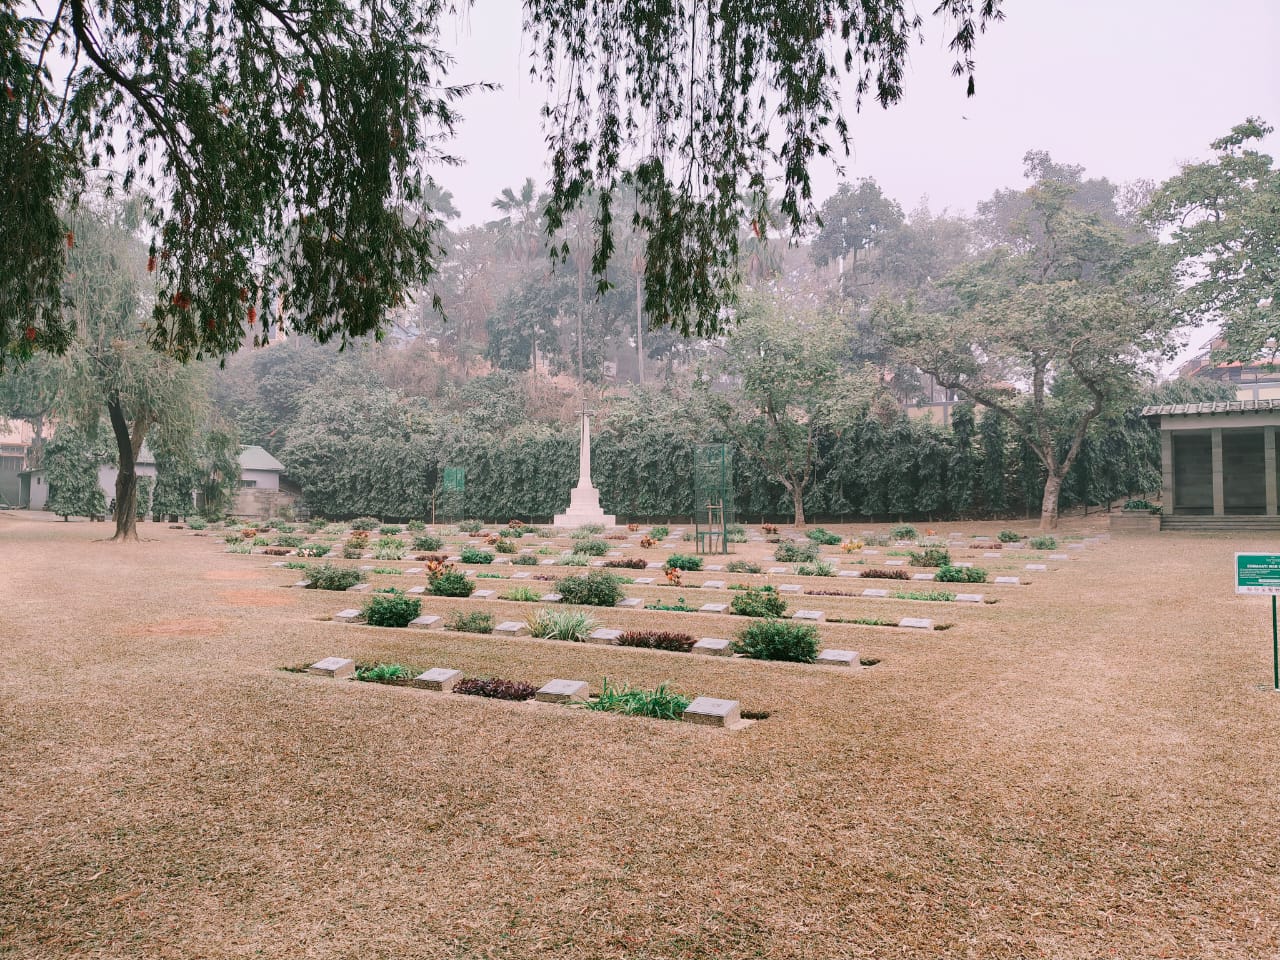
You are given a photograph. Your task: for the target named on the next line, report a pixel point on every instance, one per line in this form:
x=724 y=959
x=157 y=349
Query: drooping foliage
x=71 y=466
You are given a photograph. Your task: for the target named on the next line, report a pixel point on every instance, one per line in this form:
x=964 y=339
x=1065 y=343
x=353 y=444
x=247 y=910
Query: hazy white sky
x=1128 y=88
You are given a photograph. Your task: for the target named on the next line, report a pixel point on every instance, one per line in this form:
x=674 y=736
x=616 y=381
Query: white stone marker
x=875 y=592
x=923 y=576
x=790 y=588
x=817 y=615
x=584 y=499
x=438 y=678
x=597 y=563
x=870 y=553
x=916 y=623
x=483 y=594
x=713 y=584
x=968 y=598
x=1035 y=566
x=550 y=598
x=614 y=553
x=303 y=584
x=426 y=622
x=965 y=565
x=359 y=588
x=549 y=562
x=631 y=602
x=512 y=628
x=367 y=567
x=777 y=570
x=1058 y=556
x=522 y=575
x=712 y=646
x=418 y=589
x=347 y=616
x=563 y=691
x=605 y=635
x=643 y=580
x=895 y=563
x=849 y=573
x=413 y=571
x=713 y=608
x=1013 y=580
x=651 y=565
x=337 y=667
x=713 y=568
x=837 y=658
x=712 y=712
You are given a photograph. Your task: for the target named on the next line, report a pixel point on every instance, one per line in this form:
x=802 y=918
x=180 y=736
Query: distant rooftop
x=1211 y=406
x=255 y=458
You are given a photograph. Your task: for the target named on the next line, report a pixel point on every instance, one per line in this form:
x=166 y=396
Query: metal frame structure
x=713 y=508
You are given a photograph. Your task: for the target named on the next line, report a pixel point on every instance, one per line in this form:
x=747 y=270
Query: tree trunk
x=797 y=500
x=128 y=444
x=640 y=326
x=1049 y=504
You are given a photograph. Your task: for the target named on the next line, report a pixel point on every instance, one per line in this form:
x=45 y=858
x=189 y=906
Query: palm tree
x=522 y=218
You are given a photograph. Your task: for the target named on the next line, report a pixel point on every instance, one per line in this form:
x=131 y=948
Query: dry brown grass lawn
x=1087 y=769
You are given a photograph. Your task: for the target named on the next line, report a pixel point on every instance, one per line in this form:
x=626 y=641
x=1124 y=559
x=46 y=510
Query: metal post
x=1275 y=647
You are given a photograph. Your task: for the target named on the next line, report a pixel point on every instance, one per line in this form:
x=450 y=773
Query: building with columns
x=1218 y=464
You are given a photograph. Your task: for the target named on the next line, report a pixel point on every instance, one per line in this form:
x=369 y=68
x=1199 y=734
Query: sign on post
x=1260 y=573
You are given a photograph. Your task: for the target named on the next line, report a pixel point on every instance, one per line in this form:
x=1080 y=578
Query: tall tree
x=1052 y=332
x=855 y=219
x=71 y=470
x=1224 y=249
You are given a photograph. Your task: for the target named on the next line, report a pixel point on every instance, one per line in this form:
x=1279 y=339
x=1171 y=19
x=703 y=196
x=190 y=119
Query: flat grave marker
x=875 y=592
x=713 y=646
x=968 y=598
x=816 y=615
x=837 y=658
x=339 y=668
x=713 y=608
x=631 y=602
x=347 y=616
x=439 y=678
x=916 y=623
x=1010 y=580
x=512 y=628
x=426 y=622
x=605 y=635
x=923 y=576
x=713 y=584
x=551 y=598
x=713 y=712
x=563 y=691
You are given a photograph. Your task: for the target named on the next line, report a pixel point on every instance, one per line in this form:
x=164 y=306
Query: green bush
x=388 y=571
x=522 y=594
x=314 y=550
x=1008 y=536
x=1143 y=506
x=661 y=703
x=261 y=542
x=931 y=557
x=576 y=560
x=683 y=561
x=352 y=552
x=391 y=610
x=382 y=672
x=796 y=552
x=595 y=589
x=470 y=526
x=659 y=532
x=415 y=526
x=904 y=531
x=504 y=546
x=949 y=574
x=656 y=640
x=365 y=523
x=315 y=526
x=573 y=625
x=742 y=566
x=778 y=640
x=818 y=535
x=389 y=551
x=472 y=555
x=525 y=560
x=591 y=548
x=587 y=532
x=819 y=568
x=427 y=543
x=330 y=576
x=940 y=595
x=388 y=529
x=758 y=602
x=291 y=540
x=474 y=622
x=1043 y=543
x=239 y=548
x=735 y=533
x=452 y=584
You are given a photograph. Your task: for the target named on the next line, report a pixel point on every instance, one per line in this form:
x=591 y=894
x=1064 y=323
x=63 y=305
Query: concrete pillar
x=1219 y=508
x=1269 y=464
x=1166 y=471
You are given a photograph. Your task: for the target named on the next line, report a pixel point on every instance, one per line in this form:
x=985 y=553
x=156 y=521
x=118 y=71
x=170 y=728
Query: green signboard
x=1258 y=573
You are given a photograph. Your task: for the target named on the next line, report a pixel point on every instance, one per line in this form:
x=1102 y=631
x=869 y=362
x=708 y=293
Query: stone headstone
x=605 y=635
x=303 y=584
x=713 y=584
x=712 y=712
x=597 y=563
x=337 y=667
x=1035 y=566
x=923 y=576
x=549 y=562
x=347 y=616
x=1058 y=556
x=916 y=623
x=968 y=598
x=1075 y=546
x=875 y=592
x=563 y=691
x=631 y=602
x=280 y=563
x=550 y=598
x=776 y=570
x=992 y=555
x=614 y=553
x=468 y=573
x=790 y=588
x=453 y=559
x=359 y=588
x=808 y=615
x=418 y=589
x=1013 y=580
x=426 y=622
x=870 y=553
x=512 y=628
x=837 y=658
x=483 y=594
x=438 y=678
x=643 y=580
x=413 y=571
x=651 y=565
x=713 y=608
x=713 y=568
x=895 y=563
x=849 y=573
x=713 y=646
x=964 y=565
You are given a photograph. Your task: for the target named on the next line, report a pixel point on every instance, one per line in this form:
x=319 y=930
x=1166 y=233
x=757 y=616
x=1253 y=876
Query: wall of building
x=107 y=478
x=259 y=479
x=1244 y=472
x=1193 y=473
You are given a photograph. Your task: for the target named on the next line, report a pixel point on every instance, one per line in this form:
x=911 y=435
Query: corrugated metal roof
x=1211 y=407
x=255 y=458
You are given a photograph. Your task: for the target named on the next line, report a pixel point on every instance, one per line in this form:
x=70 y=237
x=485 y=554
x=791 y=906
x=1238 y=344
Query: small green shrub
x=904 y=531
x=195 y=523
x=452 y=584
x=365 y=523
x=683 y=561
x=472 y=555
x=591 y=548
x=522 y=594
x=239 y=548
x=352 y=552
x=314 y=550
x=679 y=605
x=825 y=537
x=819 y=569
x=587 y=532
x=415 y=526
x=315 y=526
x=473 y=622
x=330 y=576
x=742 y=566
x=525 y=560
x=778 y=640
x=656 y=640
x=659 y=533
x=428 y=543
x=388 y=571
x=796 y=552
x=1043 y=543
x=595 y=589
x=758 y=602
x=1143 y=506
x=470 y=526
x=389 y=529
x=488 y=576
x=1008 y=536
x=382 y=672
x=391 y=610
x=931 y=557
x=573 y=625
x=939 y=595
x=951 y=574
x=504 y=546
x=661 y=703
x=261 y=542
x=389 y=551
x=735 y=533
